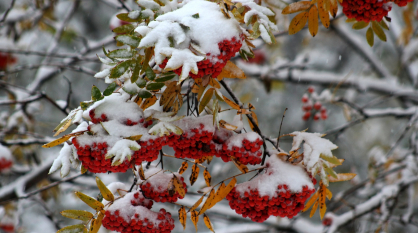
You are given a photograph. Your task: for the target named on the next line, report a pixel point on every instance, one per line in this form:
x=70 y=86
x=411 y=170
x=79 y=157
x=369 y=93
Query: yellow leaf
x=194 y=218
x=63 y=127
x=214 y=83
x=200 y=160
x=207 y=177
x=231 y=103
x=148 y=54
x=205 y=99
x=77 y=214
x=183 y=167
x=195 y=88
x=209 y=159
x=228 y=188
x=255 y=119
x=195 y=174
x=230 y=70
x=313 y=21
x=378 y=31
x=240 y=166
x=342 y=177
x=208 y=202
x=83 y=169
x=107 y=195
x=295 y=7
x=322 y=196
x=370 y=37
x=323 y=13
x=182 y=216
x=201 y=91
x=227 y=126
x=96 y=223
x=298 y=22
x=141 y=172
x=315 y=206
x=58 y=141
x=179 y=186
x=218 y=196
x=335 y=165
x=329 y=194
x=73 y=228
x=208 y=223
x=149 y=102
x=134 y=138
x=360 y=25
x=93 y=203
x=170 y=89
x=311 y=201
x=333 y=8
x=197 y=204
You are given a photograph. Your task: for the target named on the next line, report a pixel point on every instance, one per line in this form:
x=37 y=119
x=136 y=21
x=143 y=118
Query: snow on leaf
x=123 y=149
x=64 y=161
x=164 y=128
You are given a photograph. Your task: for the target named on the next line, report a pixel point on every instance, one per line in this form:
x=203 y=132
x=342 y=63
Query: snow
x=65 y=160
x=277 y=173
x=102 y=74
x=148 y=5
x=123 y=149
x=237 y=139
x=5 y=153
x=158 y=180
x=189 y=123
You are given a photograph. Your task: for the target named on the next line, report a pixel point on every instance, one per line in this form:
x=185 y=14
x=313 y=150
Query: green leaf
x=331 y=172
x=196 y=16
x=127 y=28
x=128 y=40
x=85 y=105
x=141 y=83
x=150 y=73
x=205 y=99
x=73 y=229
x=332 y=159
x=360 y=25
x=154 y=86
x=135 y=74
x=96 y=94
x=378 y=30
x=144 y=94
x=77 y=214
x=130 y=91
x=110 y=89
x=120 y=69
x=370 y=37
x=121 y=53
x=124 y=17
x=165 y=77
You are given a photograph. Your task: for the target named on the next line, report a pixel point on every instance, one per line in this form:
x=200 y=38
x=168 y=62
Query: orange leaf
x=195 y=174
x=333 y=8
x=62 y=139
x=231 y=103
x=208 y=202
x=208 y=223
x=218 y=196
x=183 y=167
x=322 y=196
x=209 y=159
x=298 y=22
x=149 y=102
x=182 y=216
x=179 y=186
x=195 y=218
x=255 y=119
x=315 y=206
x=207 y=177
x=311 y=201
x=197 y=204
x=231 y=71
x=141 y=173
x=240 y=166
x=313 y=21
x=295 y=7
x=323 y=13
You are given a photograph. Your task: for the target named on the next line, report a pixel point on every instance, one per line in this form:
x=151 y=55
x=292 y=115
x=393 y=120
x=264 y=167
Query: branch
x=25 y=142
x=7 y=11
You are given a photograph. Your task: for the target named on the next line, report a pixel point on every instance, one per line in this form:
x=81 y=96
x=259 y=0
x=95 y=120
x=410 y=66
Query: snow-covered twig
x=25 y=142
x=58 y=65
x=58 y=55
x=7 y=11
x=411 y=122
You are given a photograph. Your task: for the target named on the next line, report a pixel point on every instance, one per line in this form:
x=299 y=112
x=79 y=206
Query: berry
x=259 y=57
x=213 y=65
x=246 y=148
x=5 y=163
x=305 y=98
x=307 y=107
x=401 y=3
x=311 y=89
x=157 y=187
x=327 y=222
x=5 y=60
x=316 y=116
x=324 y=116
x=306 y=116
x=317 y=105
x=366 y=10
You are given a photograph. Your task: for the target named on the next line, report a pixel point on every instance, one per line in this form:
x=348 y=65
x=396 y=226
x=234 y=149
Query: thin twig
x=7 y=11
x=280 y=130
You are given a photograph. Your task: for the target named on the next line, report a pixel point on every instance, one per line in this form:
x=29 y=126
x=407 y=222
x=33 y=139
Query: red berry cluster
x=401 y=3
x=161 y=192
x=5 y=163
x=7 y=228
x=213 y=65
x=5 y=60
x=93 y=157
x=194 y=145
x=135 y=216
x=258 y=208
x=316 y=110
x=259 y=57
x=366 y=10
x=249 y=152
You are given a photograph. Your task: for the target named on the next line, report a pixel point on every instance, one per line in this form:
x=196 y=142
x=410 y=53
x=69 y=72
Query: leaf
x=231 y=103
x=148 y=55
x=183 y=167
x=342 y=177
x=141 y=172
x=182 y=216
x=83 y=169
x=57 y=141
x=134 y=137
x=230 y=70
x=150 y=73
x=333 y=159
x=360 y=25
x=244 y=169
x=120 y=69
x=165 y=77
x=378 y=30
x=194 y=218
x=207 y=177
x=295 y=7
x=195 y=174
x=144 y=94
x=214 y=83
x=333 y=10
x=154 y=86
x=106 y=193
x=255 y=119
x=121 y=53
x=96 y=223
x=331 y=172
x=110 y=89
x=322 y=196
x=208 y=202
x=196 y=16
x=169 y=91
x=128 y=40
x=208 y=223
x=127 y=28
x=93 y=203
x=323 y=13
x=73 y=229
x=329 y=194
x=298 y=22
x=135 y=73
x=149 y=102
x=63 y=126
x=205 y=99
x=125 y=17
x=77 y=214
x=315 y=206
x=197 y=203
x=179 y=186
x=311 y=201
x=95 y=93
x=370 y=37
x=313 y=21
x=228 y=188
x=218 y=195
x=384 y=25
